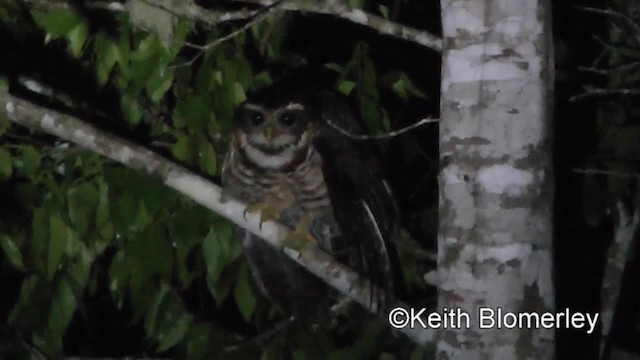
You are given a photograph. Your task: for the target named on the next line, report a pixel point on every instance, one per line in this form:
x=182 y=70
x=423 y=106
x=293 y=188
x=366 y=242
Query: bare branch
x=381 y=136
x=607 y=172
x=337 y=8
x=202 y=191
x=608 y=71
x=203 y=48
x=340 y=9
x=49 y=5
x=617 y=255
x=189 y=10
x=593 y=91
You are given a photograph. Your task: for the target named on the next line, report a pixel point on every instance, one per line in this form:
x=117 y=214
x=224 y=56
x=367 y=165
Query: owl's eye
x=287 y=119
x=257 y=118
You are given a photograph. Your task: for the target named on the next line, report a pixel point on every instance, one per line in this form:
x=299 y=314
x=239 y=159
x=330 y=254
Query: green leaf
x=196 y=111
x=123 y=209
x=77 y=38
x=80 y=269
x=61 y=240
x=40 y=236
x=6 y=165
x=82 y=200
x=166 y=319
x=217 y=250
x=198 y=341
x=400 y=89
x=152 y=240
x=184 y=149
x=32 y=308
x=245 y=299
x=238 y=94
x=159 y=83
x=102 y=209
x=132 y=110
x=208 y=159
x=63 y=305
x=12 y=251
x=384 y=11
x=58 y=23
x=177 y=326
x=333 y=66
x=118 y=276
x=30 y=161
x=4 y=86
x=346 y=86
x=107 y=54
x=146 y=48
x=152 y=313
x=356 y=4
x=261 y=80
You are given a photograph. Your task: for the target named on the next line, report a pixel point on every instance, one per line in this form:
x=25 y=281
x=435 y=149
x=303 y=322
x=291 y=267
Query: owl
x=291 y=158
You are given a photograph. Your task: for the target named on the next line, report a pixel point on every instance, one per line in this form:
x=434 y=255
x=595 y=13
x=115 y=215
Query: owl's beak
x=268 y=133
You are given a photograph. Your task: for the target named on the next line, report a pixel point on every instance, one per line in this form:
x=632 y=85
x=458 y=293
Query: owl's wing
x=363 y=204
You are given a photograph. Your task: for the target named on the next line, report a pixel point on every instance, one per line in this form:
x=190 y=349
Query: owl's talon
x=300 y=238
x=267 y=212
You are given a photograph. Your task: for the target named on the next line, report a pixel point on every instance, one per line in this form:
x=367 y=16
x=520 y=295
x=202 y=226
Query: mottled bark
x=495 y=234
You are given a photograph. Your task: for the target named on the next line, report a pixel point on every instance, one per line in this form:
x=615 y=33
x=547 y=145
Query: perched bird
x=293 y=159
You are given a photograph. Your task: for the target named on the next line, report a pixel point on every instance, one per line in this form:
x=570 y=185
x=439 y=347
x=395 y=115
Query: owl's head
x=272 y=136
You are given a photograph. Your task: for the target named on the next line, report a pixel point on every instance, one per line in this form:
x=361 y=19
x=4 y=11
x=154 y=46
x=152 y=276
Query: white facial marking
x=268 y=161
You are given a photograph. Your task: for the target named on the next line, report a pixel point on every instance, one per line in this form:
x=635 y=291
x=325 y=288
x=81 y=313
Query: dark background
x=579 y=248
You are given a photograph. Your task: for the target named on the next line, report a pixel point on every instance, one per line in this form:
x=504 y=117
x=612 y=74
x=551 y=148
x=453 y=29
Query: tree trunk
x=495 y=235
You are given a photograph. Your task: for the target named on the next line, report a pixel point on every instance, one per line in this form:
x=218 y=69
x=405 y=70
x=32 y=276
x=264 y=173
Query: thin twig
x=591 y=91
x=607 y=172
x=608 y=71
x=381 y=136
x=204 y=48
x=342 y=10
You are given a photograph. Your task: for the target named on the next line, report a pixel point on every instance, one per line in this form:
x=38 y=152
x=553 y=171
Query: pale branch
x=617 y=256
x=202 y=191
x=48 y=5
x=387 y=135
x=342 y=10
x=191 y=11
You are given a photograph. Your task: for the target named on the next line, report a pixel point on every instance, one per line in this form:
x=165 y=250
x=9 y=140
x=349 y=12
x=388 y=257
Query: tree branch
x=616 y=260
x=342 y=10
x=337 y=8
x=200 y=190
x=49 y=5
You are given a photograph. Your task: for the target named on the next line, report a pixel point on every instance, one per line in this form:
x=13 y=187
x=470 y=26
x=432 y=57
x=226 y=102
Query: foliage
x=81 y=226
